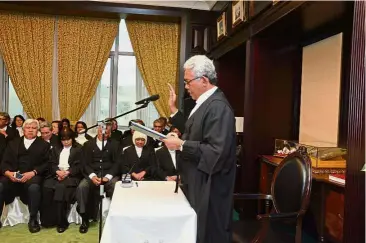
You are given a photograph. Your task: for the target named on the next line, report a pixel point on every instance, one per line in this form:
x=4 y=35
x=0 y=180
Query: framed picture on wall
x=238 y=13
x=221 y=26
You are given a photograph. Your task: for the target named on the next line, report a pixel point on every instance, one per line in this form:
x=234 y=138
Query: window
x=120 y=87
x=15 y=107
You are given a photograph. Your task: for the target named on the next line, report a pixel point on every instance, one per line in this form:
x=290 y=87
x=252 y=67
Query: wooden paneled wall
x=354 y=218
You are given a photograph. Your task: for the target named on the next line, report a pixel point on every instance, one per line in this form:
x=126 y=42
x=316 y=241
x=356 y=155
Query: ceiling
x=200 y=5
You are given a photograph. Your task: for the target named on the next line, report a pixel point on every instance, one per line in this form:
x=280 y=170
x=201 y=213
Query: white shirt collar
x=28 y=142
x=138 y=151
x=99 y=143
x=203 y=97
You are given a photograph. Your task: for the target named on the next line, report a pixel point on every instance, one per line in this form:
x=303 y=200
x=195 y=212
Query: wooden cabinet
x=334 y=214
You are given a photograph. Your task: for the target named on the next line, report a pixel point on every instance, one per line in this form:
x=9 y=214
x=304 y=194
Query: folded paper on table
x=147 y=131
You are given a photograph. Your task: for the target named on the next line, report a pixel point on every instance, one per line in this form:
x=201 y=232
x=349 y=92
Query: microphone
x=129 y=172
x=148 y=99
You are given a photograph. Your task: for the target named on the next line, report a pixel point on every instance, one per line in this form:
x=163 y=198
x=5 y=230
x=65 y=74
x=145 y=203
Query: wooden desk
x=327 y=200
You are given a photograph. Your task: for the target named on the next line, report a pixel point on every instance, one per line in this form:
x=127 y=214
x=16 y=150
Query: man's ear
x=206 y=81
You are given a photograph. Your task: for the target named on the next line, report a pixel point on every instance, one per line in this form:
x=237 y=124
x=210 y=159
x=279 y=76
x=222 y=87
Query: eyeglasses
x=186 y=82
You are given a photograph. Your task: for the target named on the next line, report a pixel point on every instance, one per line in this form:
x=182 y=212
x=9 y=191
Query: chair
x=290 y=195
x=17 y=213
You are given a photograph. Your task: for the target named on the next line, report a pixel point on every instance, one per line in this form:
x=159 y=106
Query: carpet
x=19 y=233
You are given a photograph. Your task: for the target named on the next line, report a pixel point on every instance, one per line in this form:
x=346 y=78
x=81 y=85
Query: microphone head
x=82 y=131
x=154 y=97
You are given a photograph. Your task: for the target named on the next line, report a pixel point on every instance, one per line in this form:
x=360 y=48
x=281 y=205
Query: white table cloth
x=150 y=213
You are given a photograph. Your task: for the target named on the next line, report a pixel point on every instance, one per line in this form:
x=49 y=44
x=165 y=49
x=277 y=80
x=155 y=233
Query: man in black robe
x=48 y=136
x=94 y=156
x=207 y=160
x=29 y=156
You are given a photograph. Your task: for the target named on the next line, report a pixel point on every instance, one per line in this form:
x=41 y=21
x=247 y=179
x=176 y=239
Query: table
x=149 y=213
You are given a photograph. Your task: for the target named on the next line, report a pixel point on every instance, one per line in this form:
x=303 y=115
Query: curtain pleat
x=83 y=49
x=156 y=47
x=26 y=44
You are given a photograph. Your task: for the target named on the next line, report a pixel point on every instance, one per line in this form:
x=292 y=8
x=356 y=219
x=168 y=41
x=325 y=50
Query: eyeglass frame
x=187 y=82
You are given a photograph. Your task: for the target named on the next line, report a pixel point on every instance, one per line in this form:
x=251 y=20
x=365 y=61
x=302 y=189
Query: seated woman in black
x=63 y=179
x=166 y=161
x=81 y=135
x=139 y=158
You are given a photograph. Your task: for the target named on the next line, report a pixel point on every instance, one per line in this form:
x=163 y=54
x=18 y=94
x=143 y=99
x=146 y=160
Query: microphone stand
x=101 y=187
x=123 y=114
x=101 y=192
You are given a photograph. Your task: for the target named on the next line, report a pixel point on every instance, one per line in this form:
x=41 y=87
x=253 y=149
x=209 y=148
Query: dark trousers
x=87 y=191
x=29 y=193
x=55 y=210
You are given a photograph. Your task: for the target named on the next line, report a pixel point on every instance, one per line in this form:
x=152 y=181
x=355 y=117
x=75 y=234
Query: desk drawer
x=334 y=215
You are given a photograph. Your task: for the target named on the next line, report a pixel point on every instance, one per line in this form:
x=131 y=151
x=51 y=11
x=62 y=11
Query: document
x=145 y=130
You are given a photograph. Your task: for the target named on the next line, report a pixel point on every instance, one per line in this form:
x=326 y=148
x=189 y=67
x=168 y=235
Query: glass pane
x=126 y=90
x=105 y=84
x=124 y=39
x=114 y=45
x=98 y=108
x=150 y=114
x=15 y=106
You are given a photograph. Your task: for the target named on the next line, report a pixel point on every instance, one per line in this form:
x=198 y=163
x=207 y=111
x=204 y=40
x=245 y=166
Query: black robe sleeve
x=2 y=146
x=178 y=121
x=8 y=158
x=116 y=158
x=75 y=161
x=12 y=133
x=87 y=158
x=43 y=166
x=54 y=160
x=152 y=165
x=212 y=152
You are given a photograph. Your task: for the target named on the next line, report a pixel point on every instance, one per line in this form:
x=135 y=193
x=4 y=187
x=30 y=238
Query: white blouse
x=63 y=163
x=138 y=151
x=81 y=139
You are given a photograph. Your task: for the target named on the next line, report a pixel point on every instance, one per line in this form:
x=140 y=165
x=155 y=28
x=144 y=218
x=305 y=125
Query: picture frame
x=238 y=12
x=221 y=26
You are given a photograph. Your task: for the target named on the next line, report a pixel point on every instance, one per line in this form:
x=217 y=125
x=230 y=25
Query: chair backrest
x=291 y=184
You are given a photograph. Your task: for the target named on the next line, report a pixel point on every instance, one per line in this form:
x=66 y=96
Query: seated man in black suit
x=28 y=156
x=48 y=136
x=89 y=186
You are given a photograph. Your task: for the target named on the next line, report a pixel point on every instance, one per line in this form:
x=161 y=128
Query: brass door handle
x=340 y=216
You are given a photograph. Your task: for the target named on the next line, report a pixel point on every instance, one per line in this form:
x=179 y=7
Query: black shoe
x=33 y=226
x=1 y=225
x=61 y=229
x=84 y=226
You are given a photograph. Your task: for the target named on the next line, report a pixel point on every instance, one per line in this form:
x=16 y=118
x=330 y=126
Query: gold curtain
x=26 y=44
x=83 y=49
x=156 y=47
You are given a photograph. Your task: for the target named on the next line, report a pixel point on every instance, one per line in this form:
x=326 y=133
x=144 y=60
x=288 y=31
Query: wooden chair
x=290 y=195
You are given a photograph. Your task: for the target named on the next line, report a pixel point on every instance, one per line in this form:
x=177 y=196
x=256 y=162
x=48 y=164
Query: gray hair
x=45 y=124
x=201 y=65
x=30 y=121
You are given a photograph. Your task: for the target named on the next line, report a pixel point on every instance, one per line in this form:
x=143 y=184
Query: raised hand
x=172 y=99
